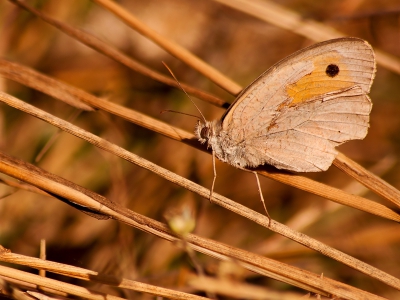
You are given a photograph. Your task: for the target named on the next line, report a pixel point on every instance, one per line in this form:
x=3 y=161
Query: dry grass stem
x=45 y=84
x=373 y=182
x=118 y=56
x=333 y=194
x=173 y=48
x=55 y=284
x=281 y=17
x=95 y=277
x=312 y=214
x=23 y=186
x=29 y=286
x=42 y=256
x=239 y=290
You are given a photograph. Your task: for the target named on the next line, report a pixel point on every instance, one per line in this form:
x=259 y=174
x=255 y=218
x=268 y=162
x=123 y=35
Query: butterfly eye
x=204 y=132
x=332 y=70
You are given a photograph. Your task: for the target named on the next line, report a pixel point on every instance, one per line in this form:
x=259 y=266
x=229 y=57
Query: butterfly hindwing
x=308 y=144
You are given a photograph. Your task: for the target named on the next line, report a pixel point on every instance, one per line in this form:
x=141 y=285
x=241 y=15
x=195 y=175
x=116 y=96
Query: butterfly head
x=205 y=131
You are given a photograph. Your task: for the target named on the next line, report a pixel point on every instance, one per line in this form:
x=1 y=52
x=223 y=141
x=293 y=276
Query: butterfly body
x=296 y=113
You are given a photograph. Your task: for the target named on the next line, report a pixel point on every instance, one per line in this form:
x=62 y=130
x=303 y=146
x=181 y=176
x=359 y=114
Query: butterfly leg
x=215 y=175
x=262 y=198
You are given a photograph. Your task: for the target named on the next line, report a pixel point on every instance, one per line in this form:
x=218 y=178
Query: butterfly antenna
x=179 y=112
x=179 y=84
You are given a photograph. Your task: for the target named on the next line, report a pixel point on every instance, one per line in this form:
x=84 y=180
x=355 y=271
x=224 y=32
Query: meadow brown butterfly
x=294 y=115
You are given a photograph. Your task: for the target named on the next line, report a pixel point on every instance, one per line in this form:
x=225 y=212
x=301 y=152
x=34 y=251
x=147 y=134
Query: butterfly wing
x=294 y=114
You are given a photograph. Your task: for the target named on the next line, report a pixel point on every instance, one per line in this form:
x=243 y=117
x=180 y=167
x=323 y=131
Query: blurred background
x=241 y=47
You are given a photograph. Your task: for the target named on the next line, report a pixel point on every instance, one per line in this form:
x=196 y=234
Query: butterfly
x=294 y=114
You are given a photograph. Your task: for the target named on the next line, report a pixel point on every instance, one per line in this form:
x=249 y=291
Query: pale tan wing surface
x=294 y=114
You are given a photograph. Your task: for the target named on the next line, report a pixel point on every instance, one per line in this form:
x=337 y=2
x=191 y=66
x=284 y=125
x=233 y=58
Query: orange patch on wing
x=318 y=82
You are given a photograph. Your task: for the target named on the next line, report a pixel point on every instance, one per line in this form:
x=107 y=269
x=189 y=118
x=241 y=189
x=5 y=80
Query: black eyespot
x=332 y=70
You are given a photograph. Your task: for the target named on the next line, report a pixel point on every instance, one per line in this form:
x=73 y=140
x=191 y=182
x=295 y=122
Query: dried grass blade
x=55 y=284
x=95 y=277
x=282 y=17
x=311 y=214
x=370 y=180
x=334 y=194
x=45 y=84
x=173 y=48
x=118 y=56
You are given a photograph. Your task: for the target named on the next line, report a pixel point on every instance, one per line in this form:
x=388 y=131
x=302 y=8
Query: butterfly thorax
x=224 y=147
